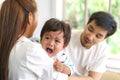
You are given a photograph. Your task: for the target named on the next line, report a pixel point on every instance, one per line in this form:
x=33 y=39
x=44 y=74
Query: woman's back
x=28 y=61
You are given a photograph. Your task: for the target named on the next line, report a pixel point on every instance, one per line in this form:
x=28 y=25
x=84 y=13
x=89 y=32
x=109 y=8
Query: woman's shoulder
x=26 y=43
x=30 y=48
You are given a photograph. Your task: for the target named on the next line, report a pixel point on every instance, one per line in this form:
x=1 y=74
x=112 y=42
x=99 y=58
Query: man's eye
x=99 y=36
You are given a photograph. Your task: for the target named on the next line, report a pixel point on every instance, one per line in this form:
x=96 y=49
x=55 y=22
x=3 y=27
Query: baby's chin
x=50 y=55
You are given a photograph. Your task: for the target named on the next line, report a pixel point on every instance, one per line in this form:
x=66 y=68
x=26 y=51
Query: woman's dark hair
x=13 y=23
x=104 y=20
x=57 y=25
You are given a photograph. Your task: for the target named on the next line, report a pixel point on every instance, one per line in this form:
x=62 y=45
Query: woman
x=20 y=58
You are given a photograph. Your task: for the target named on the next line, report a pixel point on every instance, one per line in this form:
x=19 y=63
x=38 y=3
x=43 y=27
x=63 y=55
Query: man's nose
x=91 y=37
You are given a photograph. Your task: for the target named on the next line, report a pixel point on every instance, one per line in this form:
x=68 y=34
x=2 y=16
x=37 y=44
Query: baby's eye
x=47 y=37
x=57 y=41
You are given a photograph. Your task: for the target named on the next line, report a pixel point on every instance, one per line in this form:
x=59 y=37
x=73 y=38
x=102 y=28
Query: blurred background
x=76 y=13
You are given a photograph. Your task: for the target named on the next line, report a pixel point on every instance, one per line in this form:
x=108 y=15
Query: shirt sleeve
x=65 y=59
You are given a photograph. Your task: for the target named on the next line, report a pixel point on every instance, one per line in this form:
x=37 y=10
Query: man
x=88 y=49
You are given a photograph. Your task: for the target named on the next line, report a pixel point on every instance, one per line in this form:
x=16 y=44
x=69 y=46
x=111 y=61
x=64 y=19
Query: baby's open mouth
x=49 y=51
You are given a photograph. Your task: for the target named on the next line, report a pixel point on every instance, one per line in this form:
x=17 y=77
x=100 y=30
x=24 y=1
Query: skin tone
x=92 y=35
x=31 y=25
x=53 y=43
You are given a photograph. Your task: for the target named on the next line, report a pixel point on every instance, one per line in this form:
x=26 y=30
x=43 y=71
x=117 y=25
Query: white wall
x=1 y=1
x=47 y=9
x=44 y=11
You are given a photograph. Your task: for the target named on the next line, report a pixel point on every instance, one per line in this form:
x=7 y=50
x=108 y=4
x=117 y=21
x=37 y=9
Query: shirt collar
x=23 y=38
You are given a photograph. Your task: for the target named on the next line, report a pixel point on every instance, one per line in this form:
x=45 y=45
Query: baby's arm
x=61 y=67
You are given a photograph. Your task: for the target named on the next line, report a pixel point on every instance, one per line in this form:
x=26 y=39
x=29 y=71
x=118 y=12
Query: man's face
x=92 y=34
x=53 y=42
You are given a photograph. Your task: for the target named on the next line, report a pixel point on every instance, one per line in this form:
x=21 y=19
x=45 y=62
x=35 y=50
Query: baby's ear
x=64 y=46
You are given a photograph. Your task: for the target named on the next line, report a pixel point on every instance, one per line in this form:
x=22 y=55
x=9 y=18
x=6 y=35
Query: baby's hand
x=58 y=65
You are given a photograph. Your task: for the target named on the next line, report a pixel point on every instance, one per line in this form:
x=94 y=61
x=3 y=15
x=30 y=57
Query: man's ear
x=30 y=18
